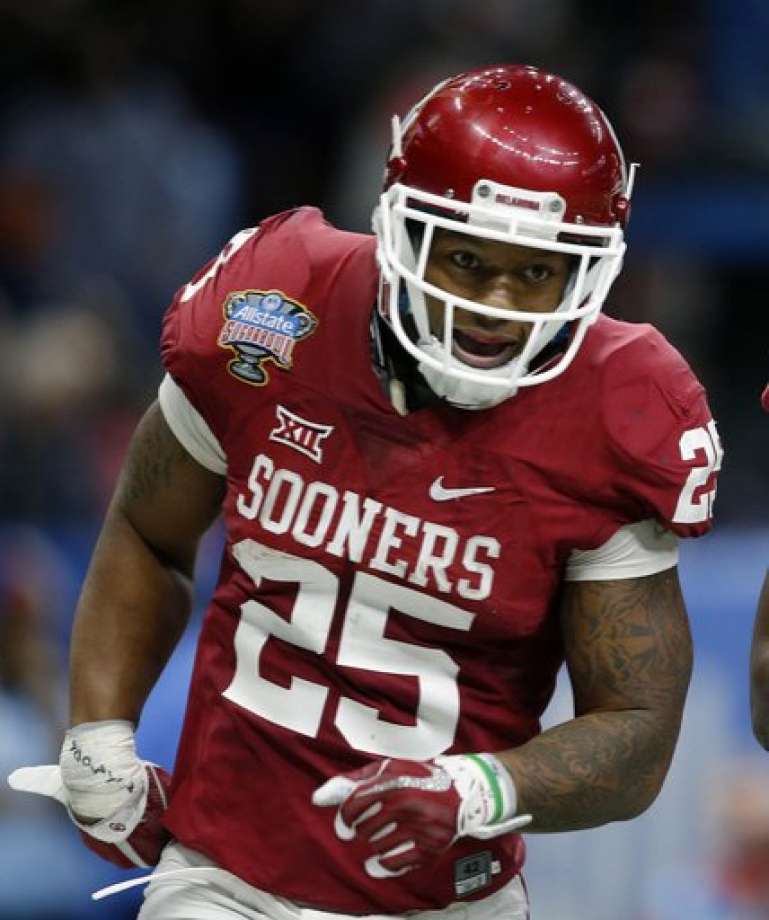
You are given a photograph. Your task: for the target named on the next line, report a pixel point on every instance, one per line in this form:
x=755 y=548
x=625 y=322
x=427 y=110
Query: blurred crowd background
x=136 y=137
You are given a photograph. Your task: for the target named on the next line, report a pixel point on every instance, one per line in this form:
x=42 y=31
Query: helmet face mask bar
x=537 y=219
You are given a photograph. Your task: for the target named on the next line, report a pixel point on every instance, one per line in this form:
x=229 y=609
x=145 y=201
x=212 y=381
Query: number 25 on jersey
x=363 y=645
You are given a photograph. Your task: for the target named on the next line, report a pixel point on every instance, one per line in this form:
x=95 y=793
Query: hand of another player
x=410 y=812
x=116 y=800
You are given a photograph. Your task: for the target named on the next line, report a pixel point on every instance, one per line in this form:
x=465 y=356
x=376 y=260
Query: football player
x=759 y=653
x=443 y=473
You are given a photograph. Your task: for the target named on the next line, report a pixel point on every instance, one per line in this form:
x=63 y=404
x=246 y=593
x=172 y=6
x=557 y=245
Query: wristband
x=488 y=794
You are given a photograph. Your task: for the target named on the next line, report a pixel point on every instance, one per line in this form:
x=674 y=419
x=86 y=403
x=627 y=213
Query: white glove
x=115 y=799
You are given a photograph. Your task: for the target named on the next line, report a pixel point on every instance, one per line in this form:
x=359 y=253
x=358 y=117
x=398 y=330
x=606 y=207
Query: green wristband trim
x=491 y=779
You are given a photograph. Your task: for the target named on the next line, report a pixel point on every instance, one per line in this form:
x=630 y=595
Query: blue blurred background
x=137 y=137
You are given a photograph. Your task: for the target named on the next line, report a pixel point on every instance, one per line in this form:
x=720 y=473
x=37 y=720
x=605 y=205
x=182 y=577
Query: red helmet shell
x=519 y=126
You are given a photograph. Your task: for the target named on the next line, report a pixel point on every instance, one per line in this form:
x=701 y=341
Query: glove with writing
x=410 y=812
x=115 y=800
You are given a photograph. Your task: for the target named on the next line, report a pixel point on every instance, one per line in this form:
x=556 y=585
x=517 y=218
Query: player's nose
x=503 y=300
x=501 y=294
x=492 y=323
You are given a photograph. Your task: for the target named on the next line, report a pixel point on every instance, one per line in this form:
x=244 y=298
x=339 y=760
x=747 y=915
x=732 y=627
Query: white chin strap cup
x=462 y=393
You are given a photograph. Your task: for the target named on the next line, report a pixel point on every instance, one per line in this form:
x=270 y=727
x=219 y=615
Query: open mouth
x=482 y=352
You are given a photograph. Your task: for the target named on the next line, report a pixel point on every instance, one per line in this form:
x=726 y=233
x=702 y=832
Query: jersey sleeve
x=662 y=437
x=190 y=428
x=634 y=551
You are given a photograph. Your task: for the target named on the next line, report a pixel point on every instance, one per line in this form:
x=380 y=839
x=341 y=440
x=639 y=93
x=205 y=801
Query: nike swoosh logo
x=440 y=494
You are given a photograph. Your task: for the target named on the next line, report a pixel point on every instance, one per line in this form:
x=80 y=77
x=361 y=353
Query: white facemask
x=503 y=214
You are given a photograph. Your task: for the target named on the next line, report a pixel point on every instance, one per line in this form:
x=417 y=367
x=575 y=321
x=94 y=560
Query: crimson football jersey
x=389 y=584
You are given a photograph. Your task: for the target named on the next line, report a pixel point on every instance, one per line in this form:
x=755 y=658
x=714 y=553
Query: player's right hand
x=410 y=812
x=116 y=800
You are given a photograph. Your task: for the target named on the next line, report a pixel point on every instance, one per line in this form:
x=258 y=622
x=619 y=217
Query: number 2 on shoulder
x=695 y=442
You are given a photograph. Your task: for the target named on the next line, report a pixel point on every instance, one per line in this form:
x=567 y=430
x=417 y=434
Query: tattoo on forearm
x=590 y=771
x=630 y=662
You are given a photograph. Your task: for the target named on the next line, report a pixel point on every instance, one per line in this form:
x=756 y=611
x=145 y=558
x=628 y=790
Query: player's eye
x=537 y=273
x=465 y=260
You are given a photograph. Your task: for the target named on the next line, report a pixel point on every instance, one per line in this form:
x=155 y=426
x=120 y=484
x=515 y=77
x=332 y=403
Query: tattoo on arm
x=158 y=469
x=629 y=656
x=165 y=495
x=152 y=461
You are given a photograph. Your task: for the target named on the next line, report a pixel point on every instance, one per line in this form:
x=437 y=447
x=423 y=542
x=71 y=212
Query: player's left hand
x=410 y=811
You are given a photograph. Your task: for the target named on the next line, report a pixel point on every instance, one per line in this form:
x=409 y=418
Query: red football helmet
x=511 y=154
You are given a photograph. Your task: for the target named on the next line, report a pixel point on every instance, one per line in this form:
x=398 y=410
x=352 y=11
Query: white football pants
x=219 y=895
